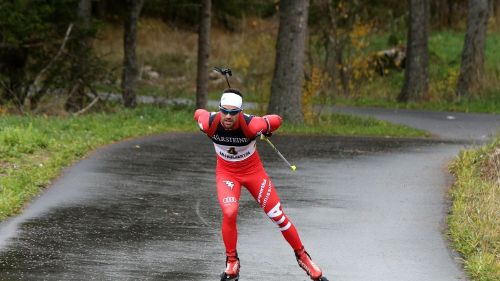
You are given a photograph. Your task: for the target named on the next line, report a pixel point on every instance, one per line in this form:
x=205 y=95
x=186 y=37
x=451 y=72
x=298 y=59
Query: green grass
x=341 y=124
x=475 y=213
x=34 y=149
x=487 y=104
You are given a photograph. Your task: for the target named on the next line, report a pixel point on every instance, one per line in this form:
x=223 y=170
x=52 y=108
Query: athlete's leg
x=262 y=189
x=228 y=194
x=264 y=192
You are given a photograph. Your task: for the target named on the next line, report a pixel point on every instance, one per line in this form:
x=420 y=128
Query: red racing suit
x=239 y=164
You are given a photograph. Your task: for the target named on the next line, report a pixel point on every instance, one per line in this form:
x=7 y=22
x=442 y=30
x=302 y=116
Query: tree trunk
x=416 y=84
x=203 y=54
x=130 y=69
x=472 y=67
x=286 y=88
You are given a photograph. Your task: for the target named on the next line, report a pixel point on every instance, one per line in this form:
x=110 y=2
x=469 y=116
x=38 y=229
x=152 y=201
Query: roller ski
x=232 y=272
x=306 y=263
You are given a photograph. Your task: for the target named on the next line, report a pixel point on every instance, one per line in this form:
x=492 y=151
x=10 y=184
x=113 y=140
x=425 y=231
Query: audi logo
x=228 y=200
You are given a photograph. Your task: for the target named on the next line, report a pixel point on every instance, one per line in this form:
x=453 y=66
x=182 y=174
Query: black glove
x=261 y=134
x=269 y=134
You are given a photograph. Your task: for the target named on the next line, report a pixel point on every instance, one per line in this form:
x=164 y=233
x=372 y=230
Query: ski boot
x=304 y=261
x=232 y=272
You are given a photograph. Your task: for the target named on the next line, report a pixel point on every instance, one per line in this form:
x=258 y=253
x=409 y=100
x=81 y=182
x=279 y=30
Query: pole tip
x=293 y=167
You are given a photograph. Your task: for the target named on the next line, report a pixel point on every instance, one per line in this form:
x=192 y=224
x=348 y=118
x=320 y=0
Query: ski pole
x=292 y=167
x=226 y=72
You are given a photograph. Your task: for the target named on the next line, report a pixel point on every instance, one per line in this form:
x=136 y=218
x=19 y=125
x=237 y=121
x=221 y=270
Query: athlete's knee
x=277 y=215
x=230 y=213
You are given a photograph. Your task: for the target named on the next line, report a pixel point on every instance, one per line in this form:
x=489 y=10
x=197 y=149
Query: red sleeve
x=265 y=124
x=202 y=117
x=274 y=122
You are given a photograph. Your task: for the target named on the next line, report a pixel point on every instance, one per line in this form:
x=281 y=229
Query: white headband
x=231 y=99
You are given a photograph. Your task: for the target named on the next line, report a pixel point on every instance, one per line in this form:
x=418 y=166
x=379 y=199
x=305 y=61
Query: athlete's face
x=229 y=116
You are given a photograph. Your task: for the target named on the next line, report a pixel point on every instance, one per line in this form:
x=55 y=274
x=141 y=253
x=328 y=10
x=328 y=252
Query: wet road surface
x=476 y=127
x=145 y=209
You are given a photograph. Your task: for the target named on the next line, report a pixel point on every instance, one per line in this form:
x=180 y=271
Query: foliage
x=474 y=225
x=339 y=45
x=360 y=67
x=226 y=13
x=26 y=34
x=253 y=63
x=384 y=12
x=250 y=54
x=445 y=51
x=448 y=14
x=243 y=38
x=314 y=90
x=22 y=24
x=32 y=34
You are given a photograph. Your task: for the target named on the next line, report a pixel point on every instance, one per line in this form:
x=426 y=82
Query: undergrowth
x=475 y=212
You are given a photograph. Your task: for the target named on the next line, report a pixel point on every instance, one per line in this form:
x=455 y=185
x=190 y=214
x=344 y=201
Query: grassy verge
x=475 y=213
x=341 y=124
x=489 y=103
x=33 y=150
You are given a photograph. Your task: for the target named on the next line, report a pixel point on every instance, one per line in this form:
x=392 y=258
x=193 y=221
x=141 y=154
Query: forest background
x=355 y=53
x=74 y=72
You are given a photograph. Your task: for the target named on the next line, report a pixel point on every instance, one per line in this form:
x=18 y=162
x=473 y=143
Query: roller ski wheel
x=225 y=277
x=232 y=271
x=305 y=262
x=322 y=278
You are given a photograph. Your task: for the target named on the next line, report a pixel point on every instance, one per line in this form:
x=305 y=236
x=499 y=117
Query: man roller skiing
x=234 y=136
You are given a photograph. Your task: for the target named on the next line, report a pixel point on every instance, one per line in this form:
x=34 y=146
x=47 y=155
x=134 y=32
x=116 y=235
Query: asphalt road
x=145 y=209
x=473 y=127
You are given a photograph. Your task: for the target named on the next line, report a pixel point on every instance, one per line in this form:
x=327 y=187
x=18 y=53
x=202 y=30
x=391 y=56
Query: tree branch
x=89 y=106
x=51 y=62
